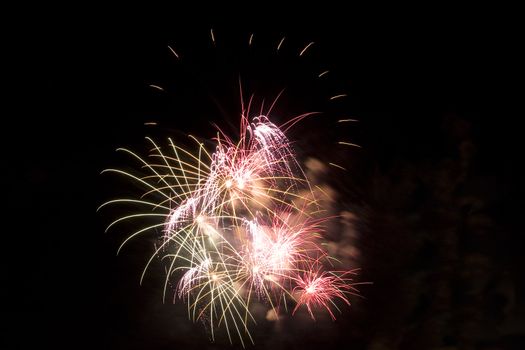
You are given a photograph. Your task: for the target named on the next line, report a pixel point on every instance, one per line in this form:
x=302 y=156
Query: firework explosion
x=237 y=224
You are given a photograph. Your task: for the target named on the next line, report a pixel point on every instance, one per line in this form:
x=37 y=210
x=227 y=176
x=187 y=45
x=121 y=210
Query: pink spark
x=320 y=288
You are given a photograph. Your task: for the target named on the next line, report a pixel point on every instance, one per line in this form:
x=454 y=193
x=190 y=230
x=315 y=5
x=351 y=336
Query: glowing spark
x=280 y=43
x=306 y=48
x=200 y=219
x=150 y=123
x=323 y=73
x=250 y=41
x=156 y=87
x=337 y=96
x=173 y=51
x=348 y=144
x=347 y=120
x=337 y=166
x=212 y=36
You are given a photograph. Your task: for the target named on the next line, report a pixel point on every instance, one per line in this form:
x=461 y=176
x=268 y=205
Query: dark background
x=436 y=188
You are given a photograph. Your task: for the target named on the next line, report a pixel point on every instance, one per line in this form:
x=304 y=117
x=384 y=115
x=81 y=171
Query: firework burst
x=236 y=223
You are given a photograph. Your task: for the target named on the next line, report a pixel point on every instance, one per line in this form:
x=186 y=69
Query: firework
x=320 y=288
x=236 y=223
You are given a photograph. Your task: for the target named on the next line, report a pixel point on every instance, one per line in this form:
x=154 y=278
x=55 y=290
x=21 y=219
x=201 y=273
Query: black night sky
x=435 y=191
